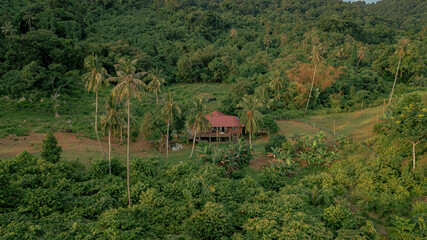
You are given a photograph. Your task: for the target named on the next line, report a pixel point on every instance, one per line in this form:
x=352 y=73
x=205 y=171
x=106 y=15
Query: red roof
x=219 y=119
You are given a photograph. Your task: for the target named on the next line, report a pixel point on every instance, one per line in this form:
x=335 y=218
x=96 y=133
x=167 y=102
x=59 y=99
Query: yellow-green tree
x=113 y=120
x=169 y=110
x=276 y=83
x=250 y=116
x=315 y=60
x=197 y=121
x=129 y=84
x=95 y=78
x=156 y=83
x=400 y=52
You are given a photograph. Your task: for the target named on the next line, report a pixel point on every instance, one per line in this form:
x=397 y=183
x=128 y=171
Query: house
x=223 y=128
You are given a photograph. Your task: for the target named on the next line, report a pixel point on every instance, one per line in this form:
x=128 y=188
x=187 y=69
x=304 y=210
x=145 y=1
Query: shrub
x=99 y=167
x=275 y=141
x=337 y=217
x=210 y=223
x=51 y=152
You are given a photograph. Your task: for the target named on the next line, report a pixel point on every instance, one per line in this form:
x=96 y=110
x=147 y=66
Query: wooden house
x=223 y=128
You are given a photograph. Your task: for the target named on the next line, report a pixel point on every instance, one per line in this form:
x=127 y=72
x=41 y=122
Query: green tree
x=170 y=110
x=129 y=84
x=95 y=78
x=197 y=121
x=29 y=19
x=112 y=121
x=315 y=60
x=408 y=121
x=8 y=29
x=156 y=83
x=250 y=116
x=400 y=52
x=361 y=53
x=276 y=83
x=51 y=152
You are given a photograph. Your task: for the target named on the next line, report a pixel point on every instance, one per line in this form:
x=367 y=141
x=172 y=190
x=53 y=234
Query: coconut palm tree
x=250 y=116
x=129 y=84
x=315 y=59
x=29 y=18
x=8 y=29
x=169 y=111
x=198 y=122
x=276 y=83
x=400 y=52
x=113 y=120
x=360 y=54
x=156 y=83
x=95 y=78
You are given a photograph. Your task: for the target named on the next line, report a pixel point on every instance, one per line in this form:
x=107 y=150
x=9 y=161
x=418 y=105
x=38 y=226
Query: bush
x=210 y=223
x=337 y=217
x=275 y=141
x=51 y=152
x=99 y=168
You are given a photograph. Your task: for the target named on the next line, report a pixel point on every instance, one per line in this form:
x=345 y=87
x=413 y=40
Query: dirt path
x=71 y=144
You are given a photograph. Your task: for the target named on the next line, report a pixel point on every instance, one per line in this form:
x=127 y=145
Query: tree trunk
x=395 y=78
x=128 y=150
x=121 y=134
x=96 y=125
x=413 y=155
x=167 y=142
x=109 y=149
x=194 y=142
x=250 y=140
x=357 y=63
x=157 y=98
x=311 y=89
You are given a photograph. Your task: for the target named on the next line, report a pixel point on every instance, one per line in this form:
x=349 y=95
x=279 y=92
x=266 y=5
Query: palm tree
x=315 y=59
x=168 y=111
x=249 y=115
x=129 y=84
x=197 y=121
x=401 y=52
x=29 y=18
x=156 y=83
x=276 y=83
x=95 y=78
x=360 y=54
x=233 y=35
x=112 y=121
x=8 y=29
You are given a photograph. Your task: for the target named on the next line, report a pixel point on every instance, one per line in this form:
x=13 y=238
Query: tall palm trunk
x=128 y=149
x=395 y=78
x=157 y=98
x=167 y=142
x=194 y=142
x=311 y=89
x=109 y=149
x=250 y=139
x=96 y=124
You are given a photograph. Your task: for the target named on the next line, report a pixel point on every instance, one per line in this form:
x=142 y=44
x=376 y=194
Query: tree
x=315 y=59
x=408 y=121
x=8 y=29
x=168 y=112
x=95 y=78
x=197 y=121
x=361 y=51
x=249 y=115
x=29 y=19
x=276 y=83
x=156 y=83
x=129 y=84
x=400 y=52
x=51 y=152
x=112 y=121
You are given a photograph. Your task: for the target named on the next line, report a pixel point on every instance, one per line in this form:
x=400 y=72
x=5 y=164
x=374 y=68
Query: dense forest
x=138 y=66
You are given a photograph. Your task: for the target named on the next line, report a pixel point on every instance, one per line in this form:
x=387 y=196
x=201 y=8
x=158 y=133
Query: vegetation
x=326 y=157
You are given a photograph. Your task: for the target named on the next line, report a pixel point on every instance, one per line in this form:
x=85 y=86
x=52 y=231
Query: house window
x=235 y=128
